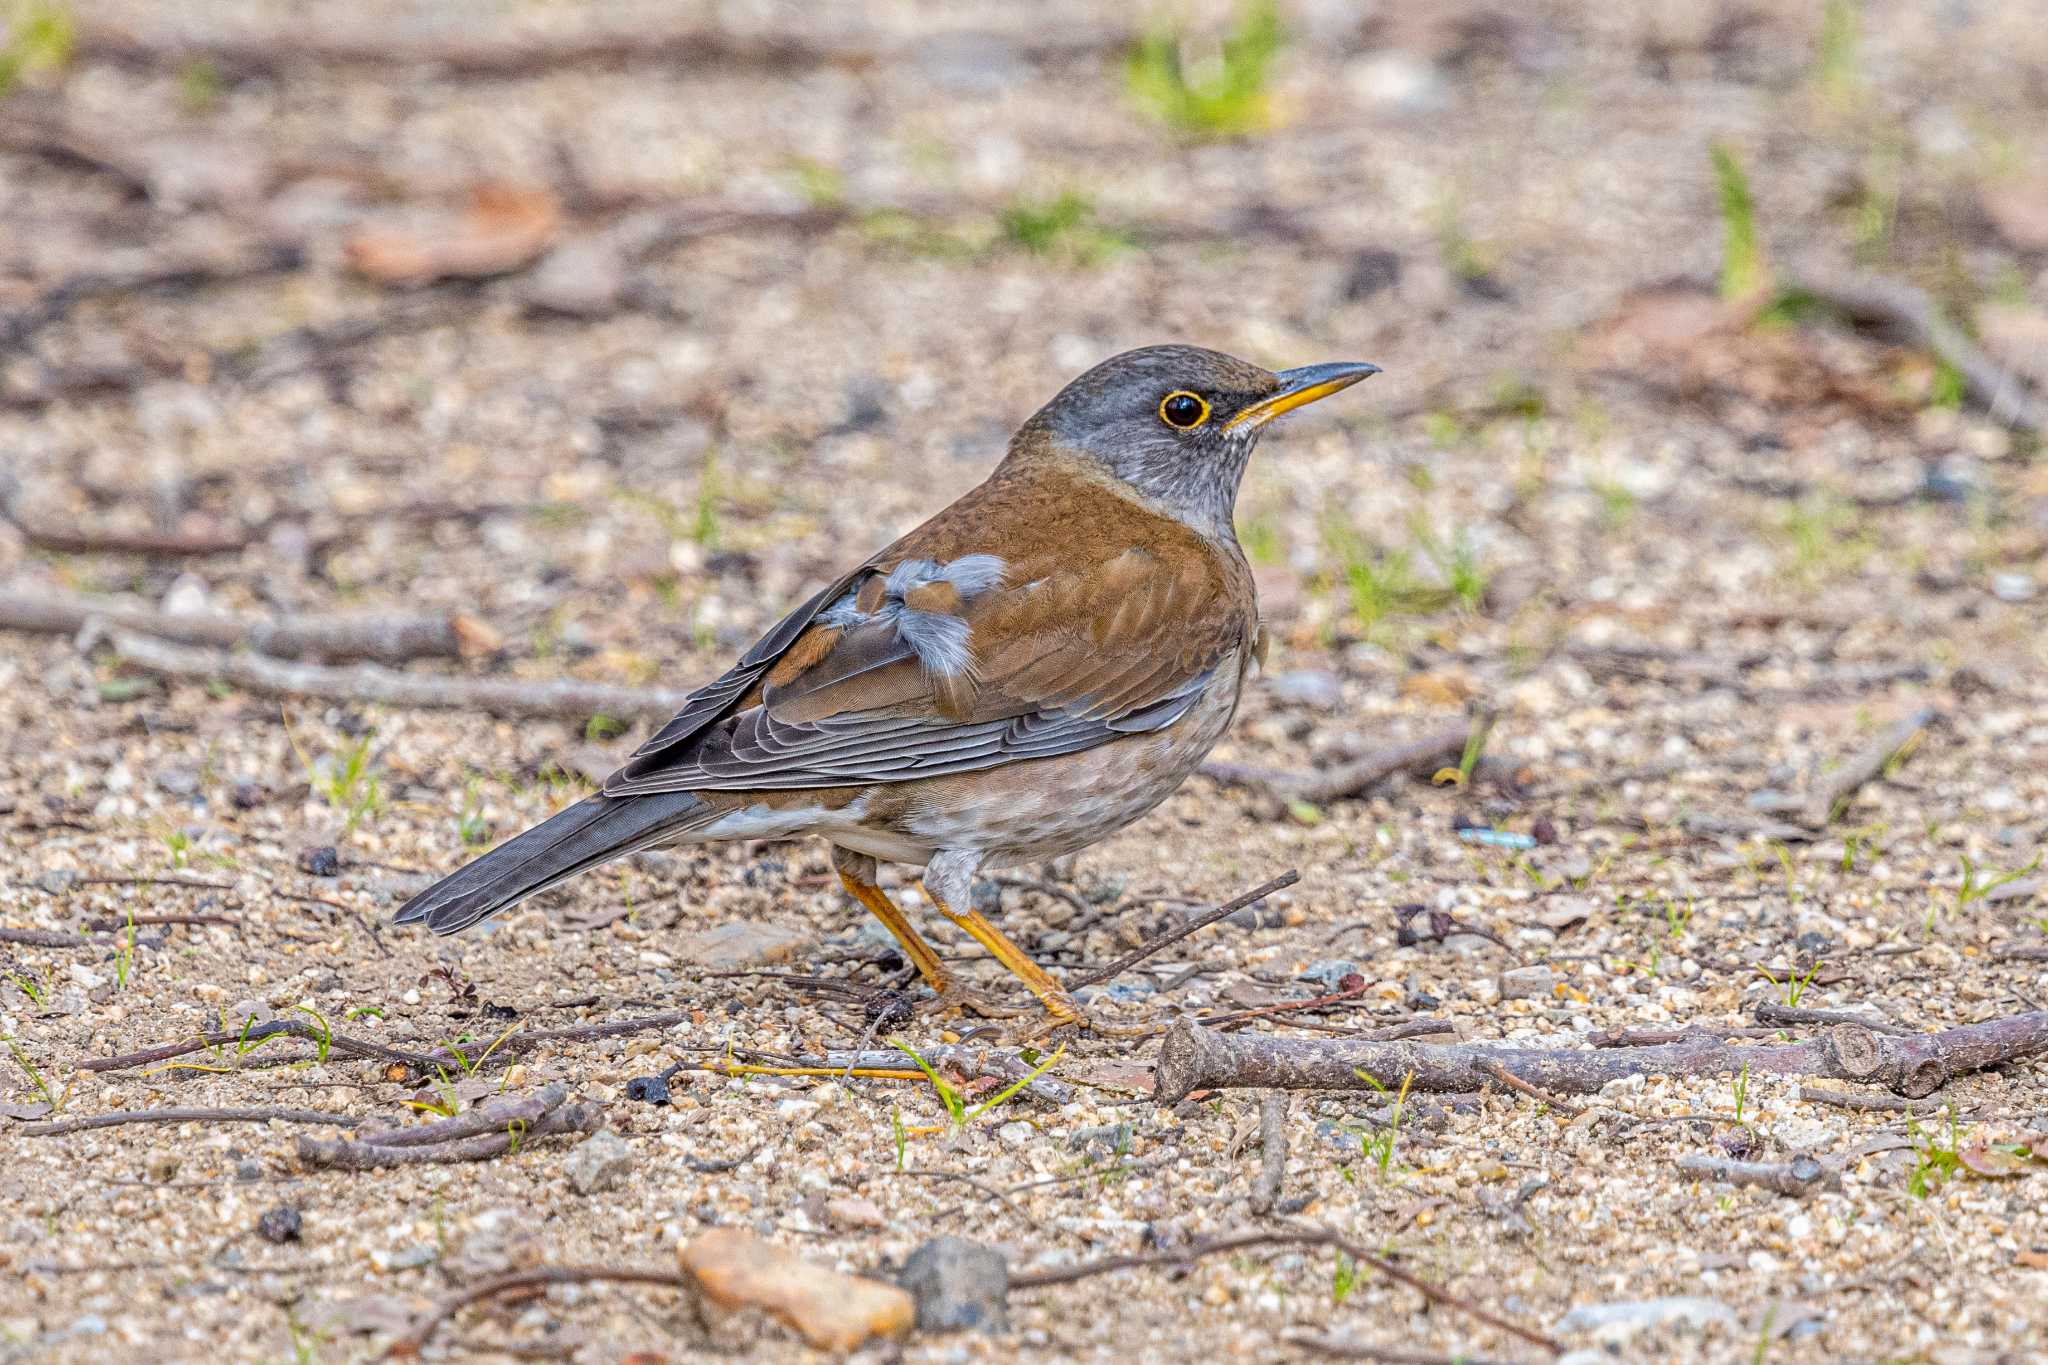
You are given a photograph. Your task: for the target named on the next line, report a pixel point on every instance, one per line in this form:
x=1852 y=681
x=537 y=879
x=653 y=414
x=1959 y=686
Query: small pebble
x=281 y=1224
x=320 y=861
x=958 y=1285
x=597 y=1163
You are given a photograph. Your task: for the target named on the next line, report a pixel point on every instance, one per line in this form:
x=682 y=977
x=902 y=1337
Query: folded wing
x=921 y=668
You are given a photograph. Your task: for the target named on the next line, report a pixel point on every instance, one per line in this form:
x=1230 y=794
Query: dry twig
x=389 y=639
x=1832 y=795
x=122 y=1117
x=1272 y=1151
x=1920 y=321
x=1277 y=789
x=423 y=1328
x=1069 y=1274
x=360 y=684
x=1175 y=935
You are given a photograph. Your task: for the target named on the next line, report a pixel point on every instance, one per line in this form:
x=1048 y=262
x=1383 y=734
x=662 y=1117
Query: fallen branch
x=1799 y=1177
x=1175 y=935
x=1069 y=1274
x=389 y=639
x=485 y=1119
x=493 y=1129
x=1424 y=756
x=122 y=1117
x=686 y=42
x=1832 y=795
x=1196 y=1058
x=1920 y=321
x=364 y=684
x=1272 y=1151
x=423 y=1328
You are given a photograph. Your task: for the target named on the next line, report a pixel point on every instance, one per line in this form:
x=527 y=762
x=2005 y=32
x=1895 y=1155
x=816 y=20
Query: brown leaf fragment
x=503 y=229
x=830 y=1310
x=1999 y=1161
x=2018 y=209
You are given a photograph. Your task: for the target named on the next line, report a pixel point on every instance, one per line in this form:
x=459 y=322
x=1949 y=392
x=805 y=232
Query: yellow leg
x=859 y=884
x=1051 y=993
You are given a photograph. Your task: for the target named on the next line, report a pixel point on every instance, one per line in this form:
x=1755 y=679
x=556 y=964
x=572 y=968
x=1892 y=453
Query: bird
x=1030 y=670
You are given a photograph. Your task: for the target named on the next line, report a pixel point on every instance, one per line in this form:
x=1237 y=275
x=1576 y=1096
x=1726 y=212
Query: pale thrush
x=1024 y=674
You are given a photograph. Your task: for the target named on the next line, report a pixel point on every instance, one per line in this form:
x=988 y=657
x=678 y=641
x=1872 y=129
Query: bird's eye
x=1183 y=410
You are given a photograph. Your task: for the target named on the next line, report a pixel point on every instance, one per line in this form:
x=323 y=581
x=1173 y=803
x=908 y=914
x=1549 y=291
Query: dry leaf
x=502 y=230
x=1999 y=1162
x=832 y=1312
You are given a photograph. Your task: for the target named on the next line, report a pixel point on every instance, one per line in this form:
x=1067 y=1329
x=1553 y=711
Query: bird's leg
x=949 y=882
x=857 y=874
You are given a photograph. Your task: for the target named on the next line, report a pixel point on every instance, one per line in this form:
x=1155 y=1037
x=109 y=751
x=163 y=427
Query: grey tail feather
x=593 y=831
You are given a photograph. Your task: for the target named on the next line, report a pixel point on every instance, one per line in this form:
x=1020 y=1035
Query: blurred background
x=620 y=325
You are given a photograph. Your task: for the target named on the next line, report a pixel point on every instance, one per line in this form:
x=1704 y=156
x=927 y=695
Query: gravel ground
x=1693 y=562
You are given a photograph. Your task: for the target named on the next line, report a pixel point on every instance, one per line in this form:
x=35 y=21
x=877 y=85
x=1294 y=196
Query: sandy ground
x=1687 y=566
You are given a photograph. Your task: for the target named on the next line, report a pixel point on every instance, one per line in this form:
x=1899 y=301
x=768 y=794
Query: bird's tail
x=592 y=831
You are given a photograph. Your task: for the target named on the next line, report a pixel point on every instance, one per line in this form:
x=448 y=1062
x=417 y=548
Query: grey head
x=1177 y=424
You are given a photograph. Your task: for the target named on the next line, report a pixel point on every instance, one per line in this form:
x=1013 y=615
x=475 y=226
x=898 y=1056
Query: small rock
x=854 y=1212
x=2013 y=587
x=1317 y=688
x=321 y=861
x=958 y=1285
x=831 y=1311
x=248 y=1172
x=1400 y=82
x=248 y=795
x=598 y=1162
x=1328 y=973
x=246 y=1012
x=1617 y=1322
x=1528 y=983
x=739 y=944
x=85 y=977
x=1016 y=1132
x=178 y=781
x=281 y=1224
x=648 y=1089
x=56 y=881
x=186 y=594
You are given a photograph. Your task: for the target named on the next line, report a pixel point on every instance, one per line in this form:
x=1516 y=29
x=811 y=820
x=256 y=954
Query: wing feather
x=915 y=678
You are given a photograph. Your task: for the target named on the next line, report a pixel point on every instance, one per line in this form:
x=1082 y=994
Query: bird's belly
x=1048 y=807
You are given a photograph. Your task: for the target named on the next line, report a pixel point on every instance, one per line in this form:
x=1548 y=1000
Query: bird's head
x=1178 y=423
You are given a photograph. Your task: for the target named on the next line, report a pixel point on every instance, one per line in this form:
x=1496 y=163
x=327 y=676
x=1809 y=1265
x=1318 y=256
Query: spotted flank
x=922 y=600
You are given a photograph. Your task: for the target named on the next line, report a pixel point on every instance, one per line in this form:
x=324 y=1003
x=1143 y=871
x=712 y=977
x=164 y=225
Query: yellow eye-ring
x=1183 y=410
